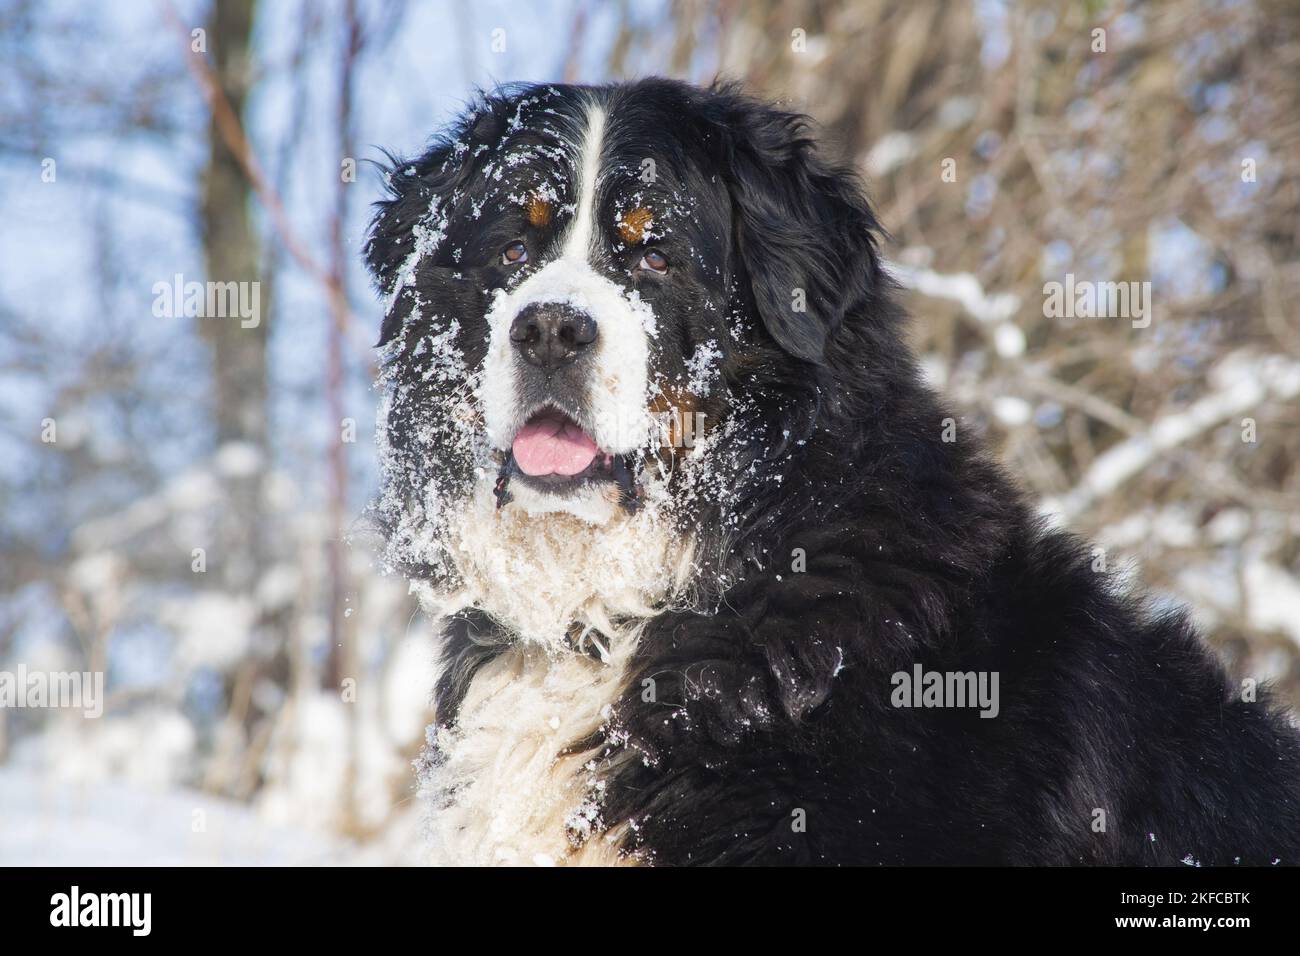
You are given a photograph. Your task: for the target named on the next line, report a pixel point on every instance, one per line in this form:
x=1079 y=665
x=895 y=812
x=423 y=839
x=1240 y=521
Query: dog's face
x=584 y=284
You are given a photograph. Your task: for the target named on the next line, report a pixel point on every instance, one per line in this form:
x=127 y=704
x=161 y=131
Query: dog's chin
x=595 y=502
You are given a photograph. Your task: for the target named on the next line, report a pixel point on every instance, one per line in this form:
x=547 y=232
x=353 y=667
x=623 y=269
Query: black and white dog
x=713 y=586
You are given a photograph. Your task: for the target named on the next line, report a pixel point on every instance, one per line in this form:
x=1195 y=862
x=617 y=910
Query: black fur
x=772 y=704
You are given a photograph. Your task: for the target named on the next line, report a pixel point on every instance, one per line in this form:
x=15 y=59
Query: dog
x=713 y=586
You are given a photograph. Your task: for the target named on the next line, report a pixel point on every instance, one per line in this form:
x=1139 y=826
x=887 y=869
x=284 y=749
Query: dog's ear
x=423 y=193
x=414 y=187
x=804 y=232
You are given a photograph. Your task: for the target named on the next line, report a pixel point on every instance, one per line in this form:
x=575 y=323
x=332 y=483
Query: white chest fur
x=502 y=792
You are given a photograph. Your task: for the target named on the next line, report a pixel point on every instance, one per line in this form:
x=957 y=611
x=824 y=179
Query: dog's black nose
x=550 y=334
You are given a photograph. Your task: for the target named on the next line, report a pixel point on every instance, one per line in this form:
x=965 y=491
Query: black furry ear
x=422 y=194
x=805 y=233
x=415 y=189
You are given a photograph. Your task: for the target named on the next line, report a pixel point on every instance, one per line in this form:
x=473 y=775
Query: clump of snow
x=215 y=628
x=151 y=747
x=1272 y=598
x=1012 y=410
x=889 y=152
x=703 y=368
x=238 y=459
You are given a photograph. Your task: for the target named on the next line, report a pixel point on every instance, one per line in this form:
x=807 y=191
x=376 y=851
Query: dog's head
x=588 y=287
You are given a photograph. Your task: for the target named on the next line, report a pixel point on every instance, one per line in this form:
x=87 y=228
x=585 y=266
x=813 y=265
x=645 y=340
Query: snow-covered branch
x=1242 y=383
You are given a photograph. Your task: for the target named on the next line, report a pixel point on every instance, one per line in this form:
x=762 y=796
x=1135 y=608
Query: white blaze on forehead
x=615 y=413
x=577 y=243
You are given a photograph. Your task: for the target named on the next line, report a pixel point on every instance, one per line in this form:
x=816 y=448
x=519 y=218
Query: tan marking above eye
x=539 y=210
x=633 y=226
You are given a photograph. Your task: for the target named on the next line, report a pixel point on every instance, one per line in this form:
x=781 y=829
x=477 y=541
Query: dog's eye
x=654 y=261
x=514 y=254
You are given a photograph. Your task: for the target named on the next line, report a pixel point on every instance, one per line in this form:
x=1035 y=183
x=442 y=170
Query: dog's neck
x=548 y=578
x=570 y=599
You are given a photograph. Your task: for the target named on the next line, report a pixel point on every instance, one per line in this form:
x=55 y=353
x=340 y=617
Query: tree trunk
x=230 y=245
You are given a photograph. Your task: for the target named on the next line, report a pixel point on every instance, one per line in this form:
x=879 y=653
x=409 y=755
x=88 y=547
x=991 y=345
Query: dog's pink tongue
x=553 y=445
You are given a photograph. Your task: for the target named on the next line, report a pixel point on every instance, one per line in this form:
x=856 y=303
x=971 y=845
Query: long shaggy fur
x=739 y=710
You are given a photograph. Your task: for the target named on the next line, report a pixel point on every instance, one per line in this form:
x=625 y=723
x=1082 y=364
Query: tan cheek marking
x=634 y=225
x=678 y=408
x=539 y=211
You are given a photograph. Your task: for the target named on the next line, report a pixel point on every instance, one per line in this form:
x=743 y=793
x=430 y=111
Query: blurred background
x=181 y=498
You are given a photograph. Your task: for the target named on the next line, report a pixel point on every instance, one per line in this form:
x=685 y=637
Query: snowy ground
x=48 y=823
